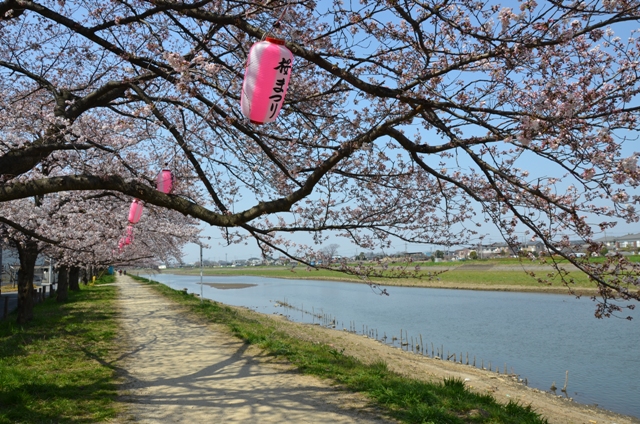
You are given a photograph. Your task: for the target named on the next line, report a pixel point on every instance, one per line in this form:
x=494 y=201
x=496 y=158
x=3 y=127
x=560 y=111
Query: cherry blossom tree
x=417 y=120
x=82 y=229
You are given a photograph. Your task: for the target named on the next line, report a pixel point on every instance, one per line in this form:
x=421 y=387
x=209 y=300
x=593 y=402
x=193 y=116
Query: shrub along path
x=178 y=369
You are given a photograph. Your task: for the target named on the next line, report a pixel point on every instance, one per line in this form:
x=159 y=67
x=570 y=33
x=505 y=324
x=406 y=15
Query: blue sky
x=537 y=166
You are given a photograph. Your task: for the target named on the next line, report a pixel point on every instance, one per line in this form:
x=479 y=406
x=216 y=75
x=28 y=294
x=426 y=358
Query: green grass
x=509 y=278
x=56 y=368
x=408 y=400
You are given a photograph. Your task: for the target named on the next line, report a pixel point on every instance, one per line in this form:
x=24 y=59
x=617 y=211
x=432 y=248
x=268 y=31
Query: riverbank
x=488 y=276
x=362 y=384
x=557 y=409
x=503 y=388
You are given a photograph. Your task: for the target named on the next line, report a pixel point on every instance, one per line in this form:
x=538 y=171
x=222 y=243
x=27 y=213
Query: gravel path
x=177 y=369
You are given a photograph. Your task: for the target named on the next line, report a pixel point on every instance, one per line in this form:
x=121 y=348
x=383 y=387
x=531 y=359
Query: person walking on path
x=178 y=369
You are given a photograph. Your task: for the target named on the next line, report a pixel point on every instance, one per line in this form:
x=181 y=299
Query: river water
x=538 y=336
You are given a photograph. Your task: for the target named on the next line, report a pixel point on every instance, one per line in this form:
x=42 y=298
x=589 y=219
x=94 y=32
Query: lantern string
x=278 y=21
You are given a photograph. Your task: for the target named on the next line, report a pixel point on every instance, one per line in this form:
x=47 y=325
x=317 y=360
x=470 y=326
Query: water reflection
x=539 y=336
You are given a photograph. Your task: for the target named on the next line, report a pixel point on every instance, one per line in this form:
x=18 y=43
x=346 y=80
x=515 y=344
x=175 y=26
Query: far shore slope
x=494 y=275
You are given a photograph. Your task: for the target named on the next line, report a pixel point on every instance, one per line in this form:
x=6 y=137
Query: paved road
x=180 y=370
x=13 y=302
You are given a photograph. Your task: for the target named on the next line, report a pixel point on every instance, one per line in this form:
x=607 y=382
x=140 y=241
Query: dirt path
x=180 y=370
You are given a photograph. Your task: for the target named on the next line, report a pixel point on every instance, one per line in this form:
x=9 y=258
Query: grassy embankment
x=408 y=400
x=494 y=274
x=58 y=367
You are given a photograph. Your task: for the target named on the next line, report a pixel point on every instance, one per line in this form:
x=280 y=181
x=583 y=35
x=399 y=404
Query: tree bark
x=74 y=276
x=42 y=186
x=28 y=253
x=63 y=284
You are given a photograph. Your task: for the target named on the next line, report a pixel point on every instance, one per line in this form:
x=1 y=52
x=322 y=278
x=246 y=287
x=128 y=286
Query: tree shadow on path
x=178 y=370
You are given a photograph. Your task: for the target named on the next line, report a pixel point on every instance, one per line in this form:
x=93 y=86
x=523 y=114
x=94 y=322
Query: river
x=538 y=336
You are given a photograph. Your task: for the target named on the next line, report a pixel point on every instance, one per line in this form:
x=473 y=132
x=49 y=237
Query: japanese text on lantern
x=283 y=68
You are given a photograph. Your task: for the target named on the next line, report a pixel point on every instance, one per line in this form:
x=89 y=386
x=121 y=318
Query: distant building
x=628 y=242
x=254 y=261
x=462 y=253
x=500 y=250
x=417 y=256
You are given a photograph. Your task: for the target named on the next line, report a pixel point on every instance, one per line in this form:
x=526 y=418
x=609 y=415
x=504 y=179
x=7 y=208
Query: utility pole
x=50 y=270
x=201 y=299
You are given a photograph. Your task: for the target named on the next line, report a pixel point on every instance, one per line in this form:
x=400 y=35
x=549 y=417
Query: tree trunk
x=63 y=284
x=74 y=276
x=28 y=253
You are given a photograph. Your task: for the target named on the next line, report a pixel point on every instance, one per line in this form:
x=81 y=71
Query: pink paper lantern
x=165 y=181
x=135 y=211
x=266 y=80
x=129 y=238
